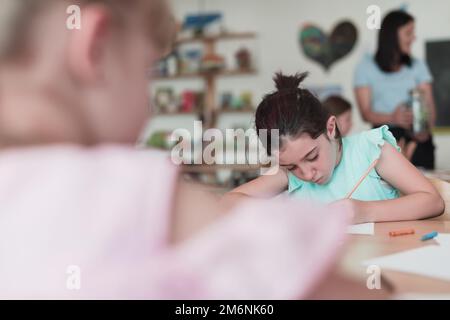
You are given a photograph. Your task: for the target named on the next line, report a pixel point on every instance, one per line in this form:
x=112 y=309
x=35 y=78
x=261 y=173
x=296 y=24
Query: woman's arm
x=400 y=116
x=363 y=97
x=265 y=186
x=420 y=201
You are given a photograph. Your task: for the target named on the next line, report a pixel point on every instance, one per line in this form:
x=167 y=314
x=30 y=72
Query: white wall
x=278 y=22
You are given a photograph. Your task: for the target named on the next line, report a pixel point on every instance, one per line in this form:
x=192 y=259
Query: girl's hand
x=353 y=208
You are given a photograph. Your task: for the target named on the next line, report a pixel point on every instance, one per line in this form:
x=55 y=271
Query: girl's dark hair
x=389 y=54
x=291 y=110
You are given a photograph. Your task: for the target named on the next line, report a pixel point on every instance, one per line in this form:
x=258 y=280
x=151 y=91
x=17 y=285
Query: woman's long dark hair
x=389 y=54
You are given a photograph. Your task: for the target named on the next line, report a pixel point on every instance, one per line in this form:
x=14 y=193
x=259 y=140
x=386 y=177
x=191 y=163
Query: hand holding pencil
x=350 y=205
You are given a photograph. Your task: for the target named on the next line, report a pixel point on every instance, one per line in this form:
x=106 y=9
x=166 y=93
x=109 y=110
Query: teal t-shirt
x=358 y=153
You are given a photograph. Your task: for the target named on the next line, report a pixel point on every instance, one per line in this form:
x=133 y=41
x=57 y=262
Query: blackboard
x=438 y=59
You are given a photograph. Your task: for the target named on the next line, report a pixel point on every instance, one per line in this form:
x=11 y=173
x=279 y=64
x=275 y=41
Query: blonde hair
x=16 y=17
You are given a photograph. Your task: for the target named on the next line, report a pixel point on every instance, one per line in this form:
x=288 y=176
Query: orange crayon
x=402 y=232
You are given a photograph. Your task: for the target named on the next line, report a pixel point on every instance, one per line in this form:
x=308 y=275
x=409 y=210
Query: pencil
x=402 y=232
x=362 y=178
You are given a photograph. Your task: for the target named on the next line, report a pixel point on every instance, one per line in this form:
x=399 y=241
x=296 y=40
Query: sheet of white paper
x=363 y=228
x=432 y=261
x=443 y=239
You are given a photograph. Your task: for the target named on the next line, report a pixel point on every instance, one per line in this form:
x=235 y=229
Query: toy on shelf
x=212 y=62
x=160 y=140
x=190 y=61
x=198 y=23
x=243 y=102
x=187 y=101
x=246 y=98
x=165 y=100
x=168 y=66
x=191 y=101
x=243 y=59
x=226 y=100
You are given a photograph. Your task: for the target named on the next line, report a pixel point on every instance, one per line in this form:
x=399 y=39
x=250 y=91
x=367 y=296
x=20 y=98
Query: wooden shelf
x=177 y=113
x=219 y=37
x=219 y=111
x=203 y=168
x=244 y=110
x=180 y=76
x=223 y=73
x=237 y=72
x=193 y=113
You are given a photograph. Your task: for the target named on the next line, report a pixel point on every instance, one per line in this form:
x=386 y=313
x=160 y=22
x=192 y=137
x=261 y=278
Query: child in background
x=317 y=163
x=85 y=215
x=342 y=110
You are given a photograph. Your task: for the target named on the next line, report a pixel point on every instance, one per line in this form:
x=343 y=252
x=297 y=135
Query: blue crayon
x=429 y=236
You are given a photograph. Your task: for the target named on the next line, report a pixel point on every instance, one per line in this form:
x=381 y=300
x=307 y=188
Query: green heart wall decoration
x=327 y=49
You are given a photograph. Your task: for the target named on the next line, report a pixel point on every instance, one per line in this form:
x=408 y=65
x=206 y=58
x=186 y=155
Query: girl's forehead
x=297 y=148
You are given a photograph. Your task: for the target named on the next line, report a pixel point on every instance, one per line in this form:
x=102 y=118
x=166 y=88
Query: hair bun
x=283 y=82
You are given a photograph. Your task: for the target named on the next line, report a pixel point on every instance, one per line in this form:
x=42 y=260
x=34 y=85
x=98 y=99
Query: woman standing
x=383 y=83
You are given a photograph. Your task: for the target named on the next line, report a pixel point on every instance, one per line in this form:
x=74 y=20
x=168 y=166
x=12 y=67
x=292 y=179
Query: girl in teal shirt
x=316 y=163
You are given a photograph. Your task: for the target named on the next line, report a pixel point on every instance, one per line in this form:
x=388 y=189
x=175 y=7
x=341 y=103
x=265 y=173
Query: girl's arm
x=265 y=186
x=194 y=209
x=400 y=116
x=420 y=201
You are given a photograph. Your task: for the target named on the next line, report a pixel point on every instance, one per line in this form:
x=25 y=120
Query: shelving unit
x=218 y=111
x=211 y=110
x=224 y=73
x=243 y=110
x=223 y=36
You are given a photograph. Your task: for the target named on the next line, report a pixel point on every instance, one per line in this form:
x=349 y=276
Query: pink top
x=80 y=223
